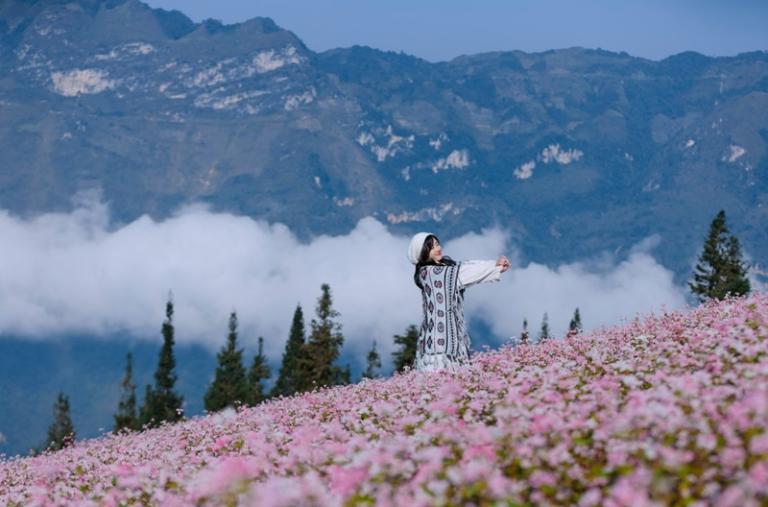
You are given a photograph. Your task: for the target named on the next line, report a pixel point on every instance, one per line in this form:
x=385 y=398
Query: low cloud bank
x=78 y=273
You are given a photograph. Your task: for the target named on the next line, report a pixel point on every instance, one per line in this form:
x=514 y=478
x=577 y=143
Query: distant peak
x=90 y=5
x=266 y=25
x=259 y=24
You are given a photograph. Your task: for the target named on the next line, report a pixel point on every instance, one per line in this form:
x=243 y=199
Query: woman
x=443 y=342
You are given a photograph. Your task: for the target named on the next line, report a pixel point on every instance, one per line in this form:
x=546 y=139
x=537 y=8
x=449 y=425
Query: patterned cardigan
x=444 y=343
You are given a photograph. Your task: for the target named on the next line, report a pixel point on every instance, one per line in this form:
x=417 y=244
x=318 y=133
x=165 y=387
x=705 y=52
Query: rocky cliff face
x=574 y=151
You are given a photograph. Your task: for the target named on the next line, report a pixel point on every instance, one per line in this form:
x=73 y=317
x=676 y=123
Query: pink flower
x=485 y=450
x=345 y=480
x=758 y=474
x=541 y=478
x=221 y=442
x=223 y=474
x=625 y=494
x=732 y=457
x=731 y=497
x=759 y=444
x=591 y=498
x=556 y=410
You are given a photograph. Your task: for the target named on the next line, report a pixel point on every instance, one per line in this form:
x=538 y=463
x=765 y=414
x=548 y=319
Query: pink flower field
x=669 y=410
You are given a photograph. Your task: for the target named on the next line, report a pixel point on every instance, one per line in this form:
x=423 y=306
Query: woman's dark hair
x=424 y=259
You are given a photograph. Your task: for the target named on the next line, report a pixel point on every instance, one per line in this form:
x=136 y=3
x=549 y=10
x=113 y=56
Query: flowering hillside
x=671 y=410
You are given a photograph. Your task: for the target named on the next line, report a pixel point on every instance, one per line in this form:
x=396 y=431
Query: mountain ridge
x=574 y=150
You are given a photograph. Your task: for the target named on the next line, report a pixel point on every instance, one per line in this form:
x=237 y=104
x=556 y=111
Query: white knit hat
x=417 y=243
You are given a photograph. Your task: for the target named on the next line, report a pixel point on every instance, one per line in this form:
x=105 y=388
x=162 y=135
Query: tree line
x=720 y=272
x=574 y=327
x=311 y=362
x=308 y=362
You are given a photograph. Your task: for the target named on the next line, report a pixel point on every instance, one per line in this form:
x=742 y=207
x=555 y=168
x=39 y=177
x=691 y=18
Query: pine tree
x=405 y=356
x=259 y=372
x=373 y=362
x=524 y=334
x=317 y=365
x=288 y=379
x=720 y=270
x=544 y=333
x=162 y=403
x=574 y=327
x=61 y=433
x=230 y=386
x=126 y=417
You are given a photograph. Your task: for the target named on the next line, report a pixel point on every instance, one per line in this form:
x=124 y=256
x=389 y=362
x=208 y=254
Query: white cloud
x=78 y=273
x=758 y=280
x=605 y=293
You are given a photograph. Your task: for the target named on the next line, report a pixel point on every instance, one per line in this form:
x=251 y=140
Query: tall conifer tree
x=405 y=356
x=61 y=433
x=258 y=373
x=323 y=347
x=720 y=270
x=162 y=403
x=574 y=327
x=289 y=377
x=126 y=417
x=544 y=333
x=373 y=363
x=230 y=386
x=524 y=335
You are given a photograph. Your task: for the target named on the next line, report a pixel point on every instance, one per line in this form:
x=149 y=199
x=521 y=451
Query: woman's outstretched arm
x=474 y=272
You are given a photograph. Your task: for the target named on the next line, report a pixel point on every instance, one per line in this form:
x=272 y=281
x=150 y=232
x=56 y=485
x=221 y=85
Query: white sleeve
x=473 y=272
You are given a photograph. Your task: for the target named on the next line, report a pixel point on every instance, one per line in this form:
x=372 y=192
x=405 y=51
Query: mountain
x=670 y=410
x=574 y=151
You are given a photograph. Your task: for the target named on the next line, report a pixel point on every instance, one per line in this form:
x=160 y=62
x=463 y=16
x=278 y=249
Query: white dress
x=443 y=342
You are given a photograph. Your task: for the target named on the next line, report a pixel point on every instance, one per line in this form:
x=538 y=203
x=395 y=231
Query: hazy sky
x=440 y=30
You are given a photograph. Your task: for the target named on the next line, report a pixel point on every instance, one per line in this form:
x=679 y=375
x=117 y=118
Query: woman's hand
x=503 y=263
